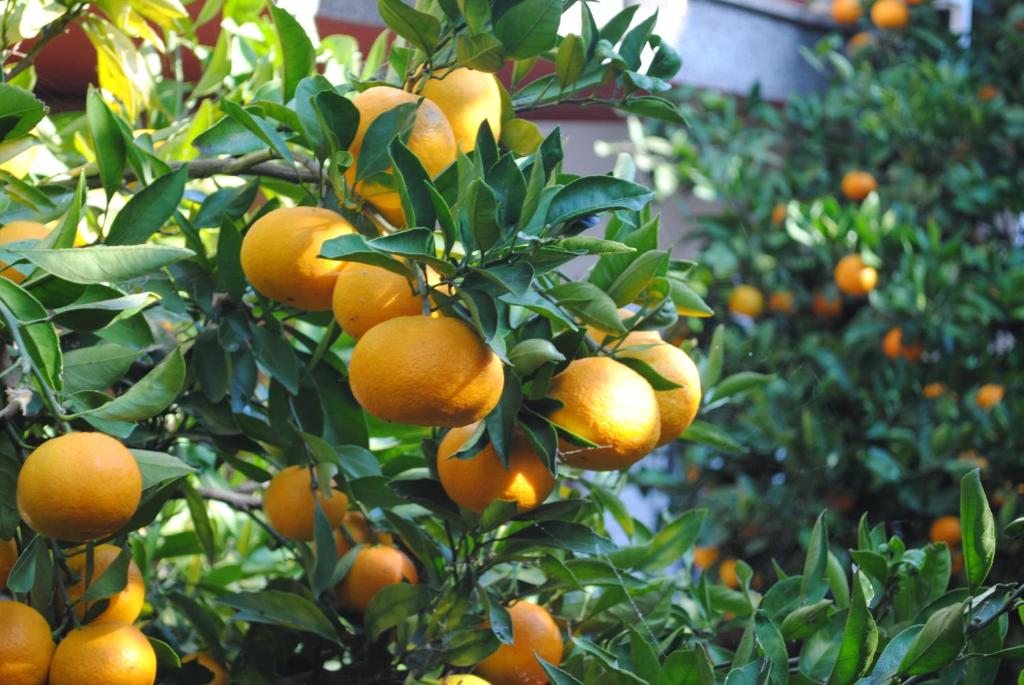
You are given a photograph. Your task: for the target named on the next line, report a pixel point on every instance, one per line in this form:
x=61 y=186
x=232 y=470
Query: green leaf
x=276 y=607
x=529 y=355
x=91 y=312
x=888 y=663
x=201 y=523
x=741 y=382
x=716 y=353
x=860 y=638
x=806 y=620
x=655 y=379
x=937 y=644
x=20 y=111
x=482 y=52
x=148 y=210
x=338 y=119
x=815 y=584
x=40 y=339
x=250 y=119
x=107 y=141
x=979 y=529
x=159 y=467
x=574 y=537
x=277 y=356
x=326 y=552
x=570 y=60
x=593 y=194
x=477 y=14
x=413 y=186
x=150 y=396
x=482 y=210
x=228 y=137
x=419 y=28
x=393 y=604
x=23 y=574
x=218 y=67
x=557 y=675
x=590 y=303
x=583 y=245
x=499 y=619
x=113 y=579
x=299 y=58
x=375 y=150
x=97 y=367
x=521 y=136
x=637 y=276
x=706 y=433
x=104 y=263
x=529 y=28
x=652 y=107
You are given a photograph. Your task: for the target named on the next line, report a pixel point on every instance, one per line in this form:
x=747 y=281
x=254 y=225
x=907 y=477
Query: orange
x=534 y=634
x=126 y=605
x=467 y=98
x=279 y=256
x=892 y=345
x=859 y=41
x=727 y=574
x=933 y=391
x=79 y=487
x=425 y=372
x=678 y=406
x=8 y=555
x=358 y=529
x=705 y=557
x=946 y=529
x=288 y=502
x=220 y=674
x=854 y=277
x=988 y=92
x=366 y=295
x=16 y=232
x=857 y=185
x=104 y=654
x=778 y=213
x=826 y=307
x=846 y=11
x=374 y=568
x=747 y=301
x=463 y=679
x=476 y=482
x=974 y=458
x=25 y=645
x=890 y=14
x=956 y=564
x=610 y=405
x=781 y=302
x=431 y=141
x=989 y=395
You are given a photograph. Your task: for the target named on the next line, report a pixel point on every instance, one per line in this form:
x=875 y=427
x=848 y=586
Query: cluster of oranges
x=885 y=14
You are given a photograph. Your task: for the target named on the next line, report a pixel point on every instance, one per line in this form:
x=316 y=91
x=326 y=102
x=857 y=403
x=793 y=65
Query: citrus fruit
x=279 y=256
x=79 y=487
x=16 y=232
x=746 y=300
x=357 y=529
x=727 y=574
x=25 y=645
x=859 y=41
x=989 y=395
x=988 y=92
x=846 y=11
x=857 y=185
x=534 y=634
x=892 y=345
x=781 y=302
x=288 y=503
x=468 y=98
x=677 y=406
x=207 y=660
x=126 y=605
x=425 y=372
x=705 y=557
x=612 y=406
x=366 y=295
x=8 y=555
x=854 y=277
x=933 y=391
x=475 y=482
x=431 y=141
x=463 y=679
x=104 y=654
x=778 y=213
x=374 y=568
x=826 y=307
x=890 y=14
x=946 y=529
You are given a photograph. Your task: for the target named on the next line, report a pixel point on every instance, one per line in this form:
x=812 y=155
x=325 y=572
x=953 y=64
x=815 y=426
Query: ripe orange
x=826 y=307
x=374 y=568
x=288 y=502
x=989 y=395
x=846 y=11
x=778 y=213
x=892 y=345
x=425 y=372
x=610 y=405
x=946 y=529
x=890 y=14
x=956 y=564
x=431 y=140
x=476 y=482
x=366 y=295
x=79 y=487
x=781 y=302
x=467 y=98
x=857 y=185
x=16 y=232
x=678 y=406
x=279 y=256
x=358 y=529
x=104 y=654
x=727 y=574
x=705 y=557
x=859 y=41
x=985 y=93
x=8 y=555
x=463 y=679
x=854 y=277
x=25 y=645
x=126 y=605
x=534 y=634
x=746 y=300
x=220 y=674
x=933 y=391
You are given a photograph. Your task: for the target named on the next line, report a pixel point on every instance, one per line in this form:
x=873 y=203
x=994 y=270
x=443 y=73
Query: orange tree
x=297 y=390
x=879 y=218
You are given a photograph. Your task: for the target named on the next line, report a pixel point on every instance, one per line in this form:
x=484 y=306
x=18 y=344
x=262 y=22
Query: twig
x=235 y=499
x=49 y=33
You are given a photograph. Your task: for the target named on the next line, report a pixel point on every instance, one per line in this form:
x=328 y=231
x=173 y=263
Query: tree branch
x=235 y=499
x=49 y=33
